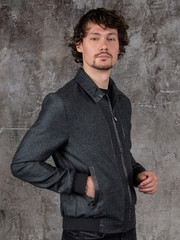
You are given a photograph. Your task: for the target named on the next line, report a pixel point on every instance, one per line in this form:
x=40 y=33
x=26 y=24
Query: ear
x=79 y=47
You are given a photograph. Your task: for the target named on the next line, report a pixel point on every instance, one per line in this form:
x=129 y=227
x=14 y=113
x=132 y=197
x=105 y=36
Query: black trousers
x=81 y=235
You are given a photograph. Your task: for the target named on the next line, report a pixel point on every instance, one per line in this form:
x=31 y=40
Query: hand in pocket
x=90 y=190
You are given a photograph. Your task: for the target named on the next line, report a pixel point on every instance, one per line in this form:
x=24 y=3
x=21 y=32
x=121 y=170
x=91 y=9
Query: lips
x=104 y=56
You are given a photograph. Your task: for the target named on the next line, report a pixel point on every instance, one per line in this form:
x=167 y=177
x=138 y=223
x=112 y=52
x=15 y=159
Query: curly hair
x=100 y=16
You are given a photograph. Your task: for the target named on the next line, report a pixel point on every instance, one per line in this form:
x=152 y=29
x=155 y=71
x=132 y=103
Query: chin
x=98 y=67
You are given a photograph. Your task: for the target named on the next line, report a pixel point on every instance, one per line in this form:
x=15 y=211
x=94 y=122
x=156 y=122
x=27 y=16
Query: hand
x=148 y=182
x=89 y=190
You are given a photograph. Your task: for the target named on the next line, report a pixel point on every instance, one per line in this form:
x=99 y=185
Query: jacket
x=87 y=132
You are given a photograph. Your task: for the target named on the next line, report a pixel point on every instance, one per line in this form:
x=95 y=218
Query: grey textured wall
x=35 y=60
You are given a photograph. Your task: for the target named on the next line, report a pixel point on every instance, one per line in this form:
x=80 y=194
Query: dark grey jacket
x=88 y=133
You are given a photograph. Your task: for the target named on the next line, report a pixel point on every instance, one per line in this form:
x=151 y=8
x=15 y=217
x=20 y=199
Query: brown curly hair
x=100 y=16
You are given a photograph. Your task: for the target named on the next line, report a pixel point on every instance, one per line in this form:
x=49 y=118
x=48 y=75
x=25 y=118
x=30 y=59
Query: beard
x=102 y=65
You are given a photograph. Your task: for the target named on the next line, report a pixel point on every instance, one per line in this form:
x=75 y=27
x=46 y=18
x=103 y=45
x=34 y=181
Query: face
x=100 y=47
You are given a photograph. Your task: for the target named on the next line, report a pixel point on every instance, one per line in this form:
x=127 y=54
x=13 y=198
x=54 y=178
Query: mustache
x=102 y=53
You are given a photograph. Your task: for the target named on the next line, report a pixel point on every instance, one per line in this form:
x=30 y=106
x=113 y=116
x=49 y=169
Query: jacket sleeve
x=48 y=133
x=137 y=168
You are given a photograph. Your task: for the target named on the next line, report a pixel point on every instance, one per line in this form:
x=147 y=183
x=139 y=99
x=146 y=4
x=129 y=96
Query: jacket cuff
x=135 y=173
x=79 y=184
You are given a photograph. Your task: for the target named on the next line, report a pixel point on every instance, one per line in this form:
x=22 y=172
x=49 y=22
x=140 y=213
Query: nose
x=103 y=45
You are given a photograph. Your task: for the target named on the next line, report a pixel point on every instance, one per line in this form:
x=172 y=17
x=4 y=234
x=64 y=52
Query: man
x=86 y=126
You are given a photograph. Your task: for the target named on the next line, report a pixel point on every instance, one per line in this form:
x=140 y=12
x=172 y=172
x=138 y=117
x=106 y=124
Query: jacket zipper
x=114 y=119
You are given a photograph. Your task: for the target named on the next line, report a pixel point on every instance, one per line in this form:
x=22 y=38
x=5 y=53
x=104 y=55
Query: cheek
x=116 y=52
x=89 y=53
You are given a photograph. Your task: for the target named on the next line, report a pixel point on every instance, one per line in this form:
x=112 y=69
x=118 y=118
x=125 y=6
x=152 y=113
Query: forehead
x=100 y=29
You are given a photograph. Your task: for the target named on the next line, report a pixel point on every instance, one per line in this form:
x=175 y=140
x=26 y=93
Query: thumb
x=142 y=176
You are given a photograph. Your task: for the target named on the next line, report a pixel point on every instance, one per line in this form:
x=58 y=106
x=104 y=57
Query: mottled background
x=35 y=59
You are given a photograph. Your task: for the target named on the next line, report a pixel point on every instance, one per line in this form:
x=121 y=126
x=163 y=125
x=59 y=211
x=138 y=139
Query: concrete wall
x=35 y=59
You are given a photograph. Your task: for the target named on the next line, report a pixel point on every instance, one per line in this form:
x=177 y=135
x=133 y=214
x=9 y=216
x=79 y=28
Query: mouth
x=104 y=55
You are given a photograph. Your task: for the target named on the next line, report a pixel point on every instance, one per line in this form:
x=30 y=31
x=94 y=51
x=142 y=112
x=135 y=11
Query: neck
x=99 y=77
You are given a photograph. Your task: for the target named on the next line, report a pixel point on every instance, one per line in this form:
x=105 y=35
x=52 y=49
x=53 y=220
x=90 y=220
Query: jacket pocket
x=87 y=206
x=96 y=186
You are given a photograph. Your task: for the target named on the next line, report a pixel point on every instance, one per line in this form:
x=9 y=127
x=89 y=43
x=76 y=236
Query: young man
x=86 y=127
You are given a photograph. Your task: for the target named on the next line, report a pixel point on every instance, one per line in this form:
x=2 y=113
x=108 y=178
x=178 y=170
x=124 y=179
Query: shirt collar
x=92 y=89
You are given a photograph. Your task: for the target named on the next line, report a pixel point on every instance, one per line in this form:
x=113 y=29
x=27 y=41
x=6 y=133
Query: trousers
x=82 y=235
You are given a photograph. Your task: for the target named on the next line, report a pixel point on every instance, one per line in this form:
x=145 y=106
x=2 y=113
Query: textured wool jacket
x=87 y=132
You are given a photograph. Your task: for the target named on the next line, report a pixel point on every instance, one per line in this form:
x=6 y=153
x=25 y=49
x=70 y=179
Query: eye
x=94 y=39
x=111 y=39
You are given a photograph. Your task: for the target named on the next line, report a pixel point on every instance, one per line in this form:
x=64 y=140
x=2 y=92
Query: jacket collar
x=92 y=89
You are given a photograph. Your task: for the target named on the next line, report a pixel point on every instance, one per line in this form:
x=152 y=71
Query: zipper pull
x=92 y=203
x=115 y=119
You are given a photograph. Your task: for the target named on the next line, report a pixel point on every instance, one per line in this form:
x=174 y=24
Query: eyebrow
x=96 y=33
